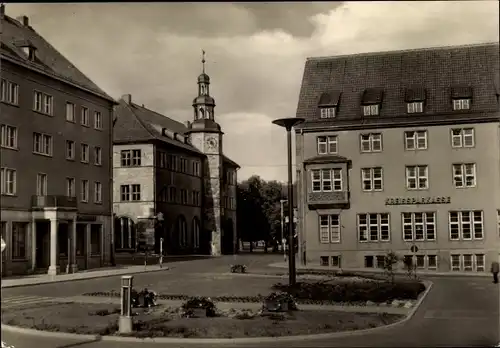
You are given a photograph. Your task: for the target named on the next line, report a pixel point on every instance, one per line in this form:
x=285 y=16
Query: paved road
x=457 y=312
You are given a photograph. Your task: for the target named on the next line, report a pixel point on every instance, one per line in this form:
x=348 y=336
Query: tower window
x=202 y=113
x=202 y=89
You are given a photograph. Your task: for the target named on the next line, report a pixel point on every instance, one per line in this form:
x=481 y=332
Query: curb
x=166 y=340
x=55 y=280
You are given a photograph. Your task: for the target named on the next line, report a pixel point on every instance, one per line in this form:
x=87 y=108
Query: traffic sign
x=3 y=245
x=414 y=248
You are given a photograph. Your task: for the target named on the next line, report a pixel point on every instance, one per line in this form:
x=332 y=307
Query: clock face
x=212 y=143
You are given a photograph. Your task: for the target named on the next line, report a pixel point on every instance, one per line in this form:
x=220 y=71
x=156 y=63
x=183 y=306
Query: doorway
x=42 y=255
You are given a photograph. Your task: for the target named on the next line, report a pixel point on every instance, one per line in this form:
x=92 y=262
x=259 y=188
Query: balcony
x=53 y=201
x=333 y=199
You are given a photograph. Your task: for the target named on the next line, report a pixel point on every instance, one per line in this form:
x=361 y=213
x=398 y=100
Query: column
x=54 y=266
x=87 y=245
x=33 y=245
x=74 y=265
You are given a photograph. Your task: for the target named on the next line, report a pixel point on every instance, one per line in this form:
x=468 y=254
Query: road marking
x=19 y=301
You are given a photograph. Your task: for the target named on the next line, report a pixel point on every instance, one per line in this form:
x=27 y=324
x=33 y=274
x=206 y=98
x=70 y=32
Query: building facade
x=400 y=152
x=56 y=137
x=178 y=171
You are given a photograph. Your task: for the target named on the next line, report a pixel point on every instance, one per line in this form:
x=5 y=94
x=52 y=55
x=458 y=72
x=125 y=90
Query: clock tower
x=206 y=135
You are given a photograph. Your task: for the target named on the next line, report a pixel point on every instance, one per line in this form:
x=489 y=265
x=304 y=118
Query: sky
x=255 y=54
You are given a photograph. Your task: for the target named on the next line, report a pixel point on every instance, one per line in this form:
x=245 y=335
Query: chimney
x=187 y=124
x=24 y=20
x=127 y=98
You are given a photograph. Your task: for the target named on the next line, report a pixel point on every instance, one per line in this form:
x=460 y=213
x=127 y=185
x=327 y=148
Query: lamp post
x=288 y=124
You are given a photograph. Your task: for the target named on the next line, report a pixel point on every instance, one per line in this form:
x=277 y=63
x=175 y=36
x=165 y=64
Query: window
x=455 y=262
x=415 y=107
x=371 y=142
x=95 y=239
x=462 y=137
x=136 y=192
x=9 y=136
x=10 y=92
x=327 y=144
x=42 y=144
x=417 y=177
x=172 y=194
x=373 y=227
x=323 y=261
x=97 y=156
x=479 y=261
x=464 y=175
x=85 y=117
x=84 y=191
x=184 y=196
x=380 y=260
x=416 y=140
x=19 y=240
x=80 y=239
x=97 y=192
x=125 y=193
x=8 y=181
x=42 y=103
x=131 y=158
x=3 y=234
x=466 y=225
x=196 y=198
x=467 y=262
x=85 y=153
x=327 y=113
x=70 y=187
x=336 y=261
x=372 y=179
x=70 y=150
x=70 y=112
x=419 y=226
x=41 y=184
x=326 y=180
x=420 y=262
x=196 y=170
x=369 y=262
x=371 y=110
x=329 y=226
x=431 y=262
x=97 y=120
x=461 y=104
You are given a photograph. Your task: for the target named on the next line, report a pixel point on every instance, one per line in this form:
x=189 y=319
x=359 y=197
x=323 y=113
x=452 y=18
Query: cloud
x=255 y=53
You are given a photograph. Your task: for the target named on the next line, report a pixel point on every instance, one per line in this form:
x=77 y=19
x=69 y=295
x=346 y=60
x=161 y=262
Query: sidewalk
x=37 y=279
x=380 y=271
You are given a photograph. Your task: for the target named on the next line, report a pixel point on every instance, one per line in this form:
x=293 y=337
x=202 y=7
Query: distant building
x=56 y=209
x=400 y=152
x=163 y=166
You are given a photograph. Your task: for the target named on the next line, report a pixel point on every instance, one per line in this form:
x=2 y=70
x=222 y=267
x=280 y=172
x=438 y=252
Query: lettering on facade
x=336 y=196
x=86 y=218
x=417 y=200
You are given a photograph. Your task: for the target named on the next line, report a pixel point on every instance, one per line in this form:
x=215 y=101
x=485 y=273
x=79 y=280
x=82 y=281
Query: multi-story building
x=56 y=137
x=400 y=152
x=178 y=170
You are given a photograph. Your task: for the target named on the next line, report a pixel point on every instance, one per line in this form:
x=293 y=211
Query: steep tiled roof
x=48 y=60
x=135 y=123
x=437 y=71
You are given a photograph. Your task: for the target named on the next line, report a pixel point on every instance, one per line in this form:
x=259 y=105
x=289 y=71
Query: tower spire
x=203 y=59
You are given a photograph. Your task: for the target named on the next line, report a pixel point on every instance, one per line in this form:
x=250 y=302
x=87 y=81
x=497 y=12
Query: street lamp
x=288 y=124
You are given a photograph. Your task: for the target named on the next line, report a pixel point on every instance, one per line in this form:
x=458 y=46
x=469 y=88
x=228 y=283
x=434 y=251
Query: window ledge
x=10 y=103
x=10 y=148
x=70 y=121
x=42 y=113
x=10 y=194
x=70 y=159
x=41 y=154
x=85 y=125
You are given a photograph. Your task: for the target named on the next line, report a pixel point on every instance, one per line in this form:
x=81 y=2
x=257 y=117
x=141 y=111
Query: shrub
x=353 y=291
x=193 y=303
x=238 y=269
x=280 y=298
x=390 y=261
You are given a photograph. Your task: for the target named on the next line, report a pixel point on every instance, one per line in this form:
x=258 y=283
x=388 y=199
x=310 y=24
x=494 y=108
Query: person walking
x=495 y=268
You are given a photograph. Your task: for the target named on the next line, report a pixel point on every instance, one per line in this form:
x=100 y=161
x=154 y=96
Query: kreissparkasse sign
x=417 y=200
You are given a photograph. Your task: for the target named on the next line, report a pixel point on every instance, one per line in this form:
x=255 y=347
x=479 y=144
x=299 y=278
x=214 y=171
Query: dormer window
x=328 y=103
x=327 y=112
x=370 y=110
x=27 y=47
x=461 y=104
x=371 y=101
x=461 y=97
x=414 y=98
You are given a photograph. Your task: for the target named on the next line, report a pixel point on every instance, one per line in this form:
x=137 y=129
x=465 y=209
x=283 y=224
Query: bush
x=280 y=299
x=199 y=303
x=354 y=291
x=390 y=261
x=238 y=269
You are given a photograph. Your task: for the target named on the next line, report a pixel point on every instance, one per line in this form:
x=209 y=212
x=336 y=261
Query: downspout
x=112 y=122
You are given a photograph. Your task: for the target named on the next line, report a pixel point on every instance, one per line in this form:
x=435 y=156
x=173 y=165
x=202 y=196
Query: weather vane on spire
x=203 y=59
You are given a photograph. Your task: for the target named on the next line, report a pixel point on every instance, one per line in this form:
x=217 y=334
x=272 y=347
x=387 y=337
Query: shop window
x=95 y=239
x=81 y=231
